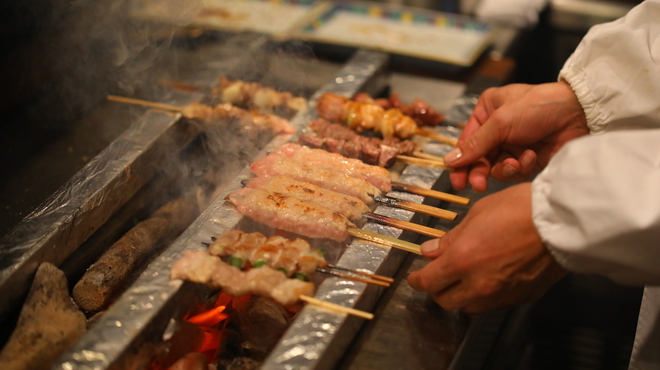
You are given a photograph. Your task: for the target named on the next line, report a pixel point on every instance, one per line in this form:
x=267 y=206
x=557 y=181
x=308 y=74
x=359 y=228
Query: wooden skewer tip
x=337 y=308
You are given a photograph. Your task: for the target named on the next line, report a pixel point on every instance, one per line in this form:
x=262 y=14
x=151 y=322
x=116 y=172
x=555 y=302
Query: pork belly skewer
x=205 y=113
x=284 y=212
x=364 y=116
x=295 y=258
x=339 y=178
x=201 y=267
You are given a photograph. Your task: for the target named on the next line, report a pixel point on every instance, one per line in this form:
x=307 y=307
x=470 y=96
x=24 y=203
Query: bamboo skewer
x=363 y=273
x=182 y=85
x=336 y=307
x=422 y=162
x=430 y=193
x=385 y=240
x=405 y=225
x=431 y=157
x=352 y=277
x=438 y=137
x=416 y=207
x=145 y=103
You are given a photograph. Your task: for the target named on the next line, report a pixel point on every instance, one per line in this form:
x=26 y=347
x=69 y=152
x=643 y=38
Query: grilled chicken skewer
x=255 y=95
x=278 y=165
x=420 y=111
x=377 y=176
x=349 y=206
x=202 y=267
x=362 y=116
x=294 y=258
x=208 y=114
x=335 y=172
x=285 y=212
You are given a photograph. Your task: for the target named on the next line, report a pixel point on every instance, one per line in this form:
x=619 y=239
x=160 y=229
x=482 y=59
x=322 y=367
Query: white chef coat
x=597 y=203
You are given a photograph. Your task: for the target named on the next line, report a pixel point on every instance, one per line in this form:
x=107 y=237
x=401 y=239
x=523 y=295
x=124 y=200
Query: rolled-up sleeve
x=597 y=203
x=615 y=71
x=597 y=206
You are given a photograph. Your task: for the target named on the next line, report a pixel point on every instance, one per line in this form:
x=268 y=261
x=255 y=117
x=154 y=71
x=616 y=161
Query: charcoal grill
x=149 y=311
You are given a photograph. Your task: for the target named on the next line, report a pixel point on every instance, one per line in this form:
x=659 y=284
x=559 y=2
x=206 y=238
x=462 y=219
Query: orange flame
x=209 y=318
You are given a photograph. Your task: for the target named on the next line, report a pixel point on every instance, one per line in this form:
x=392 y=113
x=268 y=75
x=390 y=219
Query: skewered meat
x=347 y=205
x=287 y=213
x=364 y=149
x=326 y=129
x=377 y=176
x=227 y=111
x=339 y=139
x=278 y=165
x=254 y=95
x=201 y=267
x=365 y=116
x=420 y=111
x=293 y=257
x=239 y=245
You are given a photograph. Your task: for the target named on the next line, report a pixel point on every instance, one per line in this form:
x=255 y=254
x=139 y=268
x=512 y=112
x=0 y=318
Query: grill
x=97 y=201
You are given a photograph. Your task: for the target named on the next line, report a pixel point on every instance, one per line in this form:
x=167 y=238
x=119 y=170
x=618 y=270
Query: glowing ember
x=209 y=318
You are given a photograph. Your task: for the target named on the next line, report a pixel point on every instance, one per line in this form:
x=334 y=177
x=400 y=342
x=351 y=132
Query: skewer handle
x=385 y=240
x=145 y=103
x=422 y=162
x=361 y=279
x=405 y=225
x=363 y=273
x=336 y=307
x=416 y=207
x=430 y=193
x=438 y=137
x=429 y=156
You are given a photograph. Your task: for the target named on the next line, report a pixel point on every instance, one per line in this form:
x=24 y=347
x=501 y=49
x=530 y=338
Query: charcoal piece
x=49 y=323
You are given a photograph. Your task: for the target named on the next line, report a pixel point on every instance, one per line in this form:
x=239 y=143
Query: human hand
x=494 y=258
x=514 y=131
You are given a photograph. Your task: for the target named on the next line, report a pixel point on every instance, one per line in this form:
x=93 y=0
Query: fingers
x=507 y=168
x=478 y=175
x=459 y=178
x=475 y=146
x=431 y=248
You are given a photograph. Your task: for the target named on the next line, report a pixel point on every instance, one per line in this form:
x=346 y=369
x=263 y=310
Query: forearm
x=615 y=71
x=596 y=206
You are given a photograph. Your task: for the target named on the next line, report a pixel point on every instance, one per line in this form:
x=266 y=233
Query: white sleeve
x=615 y=71
x=597 y=206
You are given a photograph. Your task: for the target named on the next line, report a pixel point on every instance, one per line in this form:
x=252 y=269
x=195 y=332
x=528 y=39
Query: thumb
x=473 y=147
